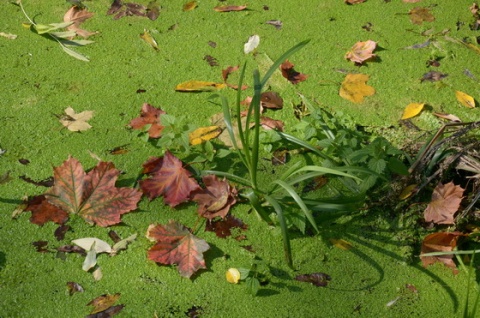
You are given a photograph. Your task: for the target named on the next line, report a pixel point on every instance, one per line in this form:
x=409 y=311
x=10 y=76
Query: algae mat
x=40 y=80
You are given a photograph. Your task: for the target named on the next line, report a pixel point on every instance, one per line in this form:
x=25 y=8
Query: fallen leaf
x=194 y=312
x=72 y=249
x=341 y=244
x=43 y=211
x=48 y=182
x=9 y=36
x=202 y=134
x=317 y=279
x=251 y=44
x=271 y=100
x=411 y=1
x=119 y=150
x=408 y=191
x=280 y=157
x=74 y=288
x=440 y=242
x=92 y=195
x=354 y=1
x=78 y=15
x=114 y=236
x=149 y=115
x=24 y=161
x=223 y=227
x=361 y=52
x=87 y=242
x=433 y=76
x=216 y=199
x=448 y=117
x=109 y=312
x=419 y=14
x=226 y=73
x=189 y=6
x=61 y=231
x=290 y=74
x=199 y=86
x=41 y=246
x=210 y=60
x=446 y=199
x=412 y=110
x=276 y=23
x=176 y=245
x=76 y=122
x=465 y=99
x=355 y=89
x=153 y=10
x=229 y=8
x=148 y=38
x=169 y=179
x=103 y=302
x=268 y=123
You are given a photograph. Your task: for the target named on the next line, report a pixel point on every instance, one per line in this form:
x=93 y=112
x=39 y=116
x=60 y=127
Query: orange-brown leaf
x=189 y=6
x=354 y=88
x=229 y=8
x=78 y=16
x=169 y=179
x=43 y=211
x=103 y=302
x=176 y=245
x=446 y=199
x=216 y=199
x=290 y=74
x=271 y=100
x=440 y=242
x=149 y=115
x=361 y=51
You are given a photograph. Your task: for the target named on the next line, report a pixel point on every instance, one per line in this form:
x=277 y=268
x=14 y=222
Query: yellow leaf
x=147 y=37
x=203 y=134
x=189 y=6
x=412 y=110
x=341 y=244
x=354 y=88
x=408 y=191
x=199 y=86
x=465 y=99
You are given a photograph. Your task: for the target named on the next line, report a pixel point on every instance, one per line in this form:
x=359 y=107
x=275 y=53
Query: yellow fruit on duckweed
x=233 y=275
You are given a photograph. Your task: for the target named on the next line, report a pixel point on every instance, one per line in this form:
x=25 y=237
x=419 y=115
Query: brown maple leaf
x=216 y=199
x=176 y=245
x=361 y=52
x=169 y=179
x=78 y=15
x=271 y=100
x=290 y=74
x=420 y=14
x=446 y=199
x=440 y=242
x=149 y=115
x=93 y=196
x=43 y=211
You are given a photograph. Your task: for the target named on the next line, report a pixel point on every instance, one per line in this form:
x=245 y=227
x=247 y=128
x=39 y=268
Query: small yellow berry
x=233 y=275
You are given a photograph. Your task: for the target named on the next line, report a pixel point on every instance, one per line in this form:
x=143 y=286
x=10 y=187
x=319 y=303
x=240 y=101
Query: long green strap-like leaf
x=283 y=226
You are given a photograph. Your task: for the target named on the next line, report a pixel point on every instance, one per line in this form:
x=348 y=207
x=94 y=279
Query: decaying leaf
x=341 y=244
x=229 y=8
x=103 y=302
x=269 y=123
x=199 y=86
x=74 y=288
x=271 y=100
x=148 y=38
x=361 y=52
x=48 y=182
x=74 y=121
x=408 y=191
x=251 y=44
x=276 y=23
x=216 y=199
x=355 y=89
x=465 y=99
x=354 y=1
x=448 y=117
x=433 y=76
x=212 y=61
x=153 y=10
x=61 y=231
x=100 y=246
x=440 y=242
x=121 y=10
x=202 y=134
x=226 y=73
x=223 y=227
x=290 y=74
x=412 y=110
x=9 y=36
x=78 y=15
x=446 y=199
x=317 y=279
x=109 y=312
x=41 y=246
x=149 y=115
x=176 y=245
x=92 y=195
x=420 y=14
x=189 y=6
x=169 y=179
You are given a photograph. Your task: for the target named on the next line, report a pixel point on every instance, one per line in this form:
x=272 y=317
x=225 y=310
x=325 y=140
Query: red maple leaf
x=43 y=211
x=216 y=199
x=169 y=179
x=149 y=115
x=223 y=228
x=440 y=242
x=290 y=74
x=446 y=199
x=93 y=196
x=176 y=245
